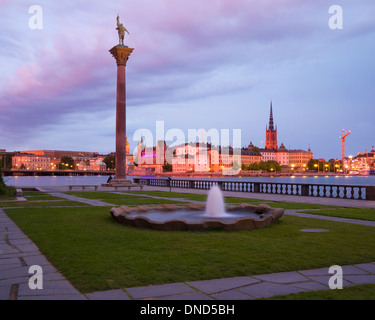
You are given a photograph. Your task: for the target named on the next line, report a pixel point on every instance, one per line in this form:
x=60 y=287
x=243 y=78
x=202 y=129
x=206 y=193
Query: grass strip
x=123 y=199
x=37 y=204
x=349 y=213
x=359 y=292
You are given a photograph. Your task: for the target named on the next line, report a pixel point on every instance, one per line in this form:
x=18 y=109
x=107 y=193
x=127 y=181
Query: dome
x=282 y=148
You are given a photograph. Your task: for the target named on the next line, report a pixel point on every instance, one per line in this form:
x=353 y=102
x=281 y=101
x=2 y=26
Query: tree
x=110 y=161
x=311 y=164
x=272 y=166
x=6 y=161
x=4 y=189
x=167 y=167
x=66 y=163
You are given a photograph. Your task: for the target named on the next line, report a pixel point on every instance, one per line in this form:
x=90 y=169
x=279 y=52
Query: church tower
x=271 y=133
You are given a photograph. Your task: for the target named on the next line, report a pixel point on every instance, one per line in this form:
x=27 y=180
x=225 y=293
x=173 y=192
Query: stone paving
x=18 y=253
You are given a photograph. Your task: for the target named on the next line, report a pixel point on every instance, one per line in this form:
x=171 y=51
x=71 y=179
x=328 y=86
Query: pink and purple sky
x=196 y=64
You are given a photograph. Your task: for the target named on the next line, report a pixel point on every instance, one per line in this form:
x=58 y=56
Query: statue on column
x=121 y=31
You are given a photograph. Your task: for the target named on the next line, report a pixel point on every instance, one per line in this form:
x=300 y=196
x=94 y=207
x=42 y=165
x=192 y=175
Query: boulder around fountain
x=196 y=217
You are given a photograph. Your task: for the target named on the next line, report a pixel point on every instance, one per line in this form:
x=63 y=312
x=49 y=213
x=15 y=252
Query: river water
x=51 y=181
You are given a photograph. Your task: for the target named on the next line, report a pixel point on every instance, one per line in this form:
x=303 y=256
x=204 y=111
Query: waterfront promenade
x=18 y=253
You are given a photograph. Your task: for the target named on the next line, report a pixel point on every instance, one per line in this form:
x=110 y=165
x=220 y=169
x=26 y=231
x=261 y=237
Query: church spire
x=271 y=133
x=270 y=125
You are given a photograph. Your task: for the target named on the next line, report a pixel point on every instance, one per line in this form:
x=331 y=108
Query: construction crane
x=342 y=138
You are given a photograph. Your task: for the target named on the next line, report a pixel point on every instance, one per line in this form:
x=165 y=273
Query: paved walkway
x=18 y=253
x=92 y=202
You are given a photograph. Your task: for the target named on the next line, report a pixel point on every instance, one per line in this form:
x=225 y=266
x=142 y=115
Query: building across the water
x=58 y=154
x=294 y=158
x=31 y=162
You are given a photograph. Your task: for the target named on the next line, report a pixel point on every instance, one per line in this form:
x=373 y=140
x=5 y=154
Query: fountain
x=194 y=217
x=215 y=207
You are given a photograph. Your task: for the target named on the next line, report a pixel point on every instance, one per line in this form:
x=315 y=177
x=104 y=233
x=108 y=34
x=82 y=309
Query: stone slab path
x=92 y=202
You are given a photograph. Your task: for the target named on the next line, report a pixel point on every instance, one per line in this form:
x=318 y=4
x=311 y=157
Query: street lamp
x=350 y=163
x=316 y=166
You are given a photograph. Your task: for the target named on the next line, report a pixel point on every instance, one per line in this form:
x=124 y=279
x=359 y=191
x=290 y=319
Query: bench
x=119 y=185
x=83 y=187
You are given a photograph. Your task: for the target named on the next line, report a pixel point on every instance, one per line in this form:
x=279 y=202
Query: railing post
x=304 y=190
x=168 y=184
x=256 y=187
x=220 y=185
x=191 y=184
x=370 y=193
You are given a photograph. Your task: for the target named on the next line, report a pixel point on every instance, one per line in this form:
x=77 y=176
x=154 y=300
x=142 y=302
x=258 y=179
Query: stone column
x=121 y=54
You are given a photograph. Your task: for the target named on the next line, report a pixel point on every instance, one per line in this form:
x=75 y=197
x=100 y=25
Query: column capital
x=121 y=54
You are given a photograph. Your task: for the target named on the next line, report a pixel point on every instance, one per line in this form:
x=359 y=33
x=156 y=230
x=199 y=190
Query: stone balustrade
x=293 y=189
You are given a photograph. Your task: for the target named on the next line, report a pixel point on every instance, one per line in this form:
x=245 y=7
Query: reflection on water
x=50 y=181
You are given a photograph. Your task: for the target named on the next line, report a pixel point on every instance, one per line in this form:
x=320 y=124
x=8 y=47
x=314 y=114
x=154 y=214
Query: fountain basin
x=194 y=217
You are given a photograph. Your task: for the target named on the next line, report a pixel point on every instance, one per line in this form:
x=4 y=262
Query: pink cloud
x=168 y=37
x=55 y=69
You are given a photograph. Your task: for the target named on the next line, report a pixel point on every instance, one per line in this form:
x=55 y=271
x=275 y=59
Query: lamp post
x=350 y=162
x=317 y=166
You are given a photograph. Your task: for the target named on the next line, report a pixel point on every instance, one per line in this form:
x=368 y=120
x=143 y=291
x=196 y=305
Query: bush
x=4 y=189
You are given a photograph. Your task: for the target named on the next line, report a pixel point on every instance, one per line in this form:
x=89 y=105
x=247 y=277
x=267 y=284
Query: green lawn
x=99 y=195
x=123 y=199
x=95 y=253
x=39 y=199
x=5 y=197
x=350 y=213
x=34 y=196
x=232 y=200
x=190 y=196
x=37 y=204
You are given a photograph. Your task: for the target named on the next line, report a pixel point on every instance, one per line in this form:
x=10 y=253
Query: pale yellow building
x=299 y=158
x=31 y=162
